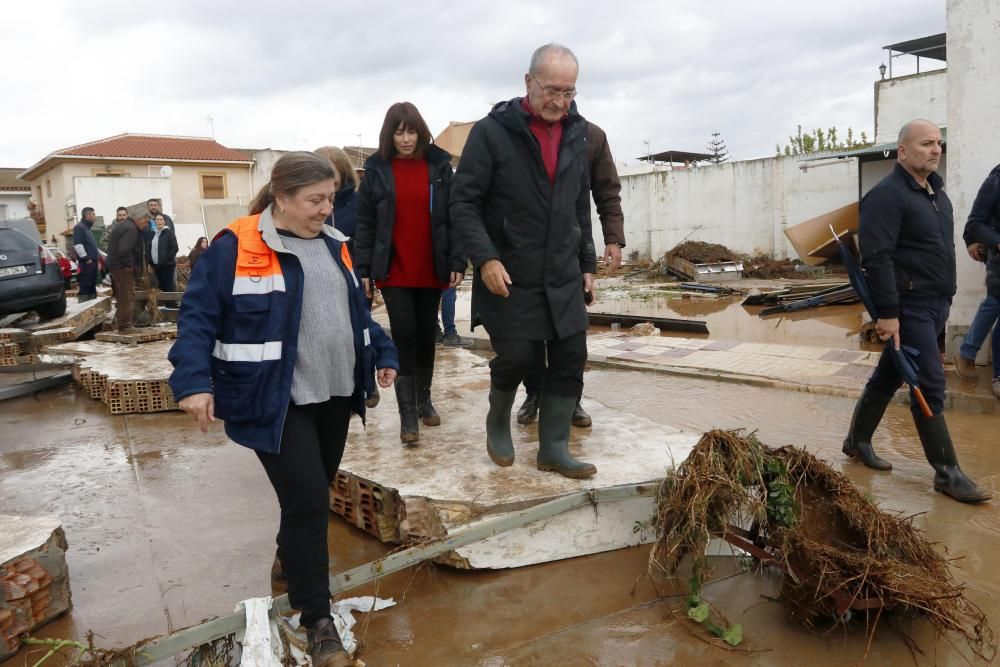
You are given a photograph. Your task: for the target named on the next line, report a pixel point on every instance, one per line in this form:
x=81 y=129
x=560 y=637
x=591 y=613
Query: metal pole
x=189 y=638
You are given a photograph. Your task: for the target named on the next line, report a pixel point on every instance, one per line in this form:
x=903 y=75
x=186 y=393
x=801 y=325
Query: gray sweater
x=325 y=363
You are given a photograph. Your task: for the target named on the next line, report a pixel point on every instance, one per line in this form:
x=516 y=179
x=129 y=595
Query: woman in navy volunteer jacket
x=275 y=338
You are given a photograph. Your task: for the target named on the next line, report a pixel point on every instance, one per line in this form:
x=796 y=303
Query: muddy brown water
x=168 y=527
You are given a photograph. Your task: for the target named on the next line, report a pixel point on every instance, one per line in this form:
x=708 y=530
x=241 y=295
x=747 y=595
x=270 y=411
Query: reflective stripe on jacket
x=238 y=330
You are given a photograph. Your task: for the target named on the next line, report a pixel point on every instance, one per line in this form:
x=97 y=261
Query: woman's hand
x=368 y=287
x=385 y=377
x=456 y=278
x=201 y=407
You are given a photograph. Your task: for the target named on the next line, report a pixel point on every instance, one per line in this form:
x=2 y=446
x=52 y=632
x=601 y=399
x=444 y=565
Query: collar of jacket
x=512 y=115
x=937 y=183
x=435 y=156
x=269 y=233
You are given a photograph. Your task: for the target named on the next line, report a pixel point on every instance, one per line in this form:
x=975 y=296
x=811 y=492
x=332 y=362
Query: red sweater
x=549 y=137
x=412 y=250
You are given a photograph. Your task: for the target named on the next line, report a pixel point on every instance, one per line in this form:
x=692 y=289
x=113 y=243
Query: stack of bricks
x=366 y=505
x=15 y=347
x=129 y=379
x=34 y=581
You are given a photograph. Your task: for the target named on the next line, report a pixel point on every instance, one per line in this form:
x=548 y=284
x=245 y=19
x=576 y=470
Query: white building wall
x=745 y=206
x=900 y=100
x=973 y=140
x=14 y=205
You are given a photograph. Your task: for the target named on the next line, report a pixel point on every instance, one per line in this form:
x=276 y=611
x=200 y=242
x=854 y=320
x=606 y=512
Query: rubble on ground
x=841 y=555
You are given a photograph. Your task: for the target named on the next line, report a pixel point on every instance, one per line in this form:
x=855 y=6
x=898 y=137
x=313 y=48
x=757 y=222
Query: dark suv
x=30 y=277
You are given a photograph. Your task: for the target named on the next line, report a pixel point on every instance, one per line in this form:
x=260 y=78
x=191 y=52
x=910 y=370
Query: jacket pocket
x=237 y=391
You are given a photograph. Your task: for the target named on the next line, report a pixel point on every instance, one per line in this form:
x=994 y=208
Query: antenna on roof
x=211 y=124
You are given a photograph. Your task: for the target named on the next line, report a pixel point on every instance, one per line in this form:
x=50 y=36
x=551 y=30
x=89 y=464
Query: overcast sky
x=296 y=75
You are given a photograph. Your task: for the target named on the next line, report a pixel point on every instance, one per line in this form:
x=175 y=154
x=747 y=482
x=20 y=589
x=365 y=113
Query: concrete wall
x=13 y=205
x=263 y=163
x=874 y=171
x=904 y=98
x=743 y=205
x=184 y=183
x=973 y=140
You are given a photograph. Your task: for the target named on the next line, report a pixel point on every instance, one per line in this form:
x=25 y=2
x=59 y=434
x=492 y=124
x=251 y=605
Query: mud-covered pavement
x=168 y=527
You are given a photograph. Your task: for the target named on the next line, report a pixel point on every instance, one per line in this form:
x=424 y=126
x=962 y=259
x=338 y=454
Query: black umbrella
x=904 y=358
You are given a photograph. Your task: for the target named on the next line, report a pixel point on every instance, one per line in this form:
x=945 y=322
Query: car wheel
x=54 y=309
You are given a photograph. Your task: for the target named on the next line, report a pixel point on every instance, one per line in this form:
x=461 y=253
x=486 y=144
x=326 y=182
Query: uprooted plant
x=835 y=547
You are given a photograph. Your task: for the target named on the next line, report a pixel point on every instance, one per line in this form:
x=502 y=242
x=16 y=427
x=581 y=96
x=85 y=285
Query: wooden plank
x=664 y=323
x=189 y=638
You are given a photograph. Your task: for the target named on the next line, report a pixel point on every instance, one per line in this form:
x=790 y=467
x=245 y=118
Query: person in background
x=87 y=254
x=275 y=338
x=447 y=334
x=404 y=246
x=605 y=188
x=126 y=252
x=982 y=236
x=163 y=254
x=199 y=247
x=121 y=215
x=344 y=216
x=155 y=208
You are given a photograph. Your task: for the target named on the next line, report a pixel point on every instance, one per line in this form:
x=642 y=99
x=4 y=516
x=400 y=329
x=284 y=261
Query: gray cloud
x=295 y=72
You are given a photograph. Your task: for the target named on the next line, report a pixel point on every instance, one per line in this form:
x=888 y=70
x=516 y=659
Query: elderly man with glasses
x=520 y=207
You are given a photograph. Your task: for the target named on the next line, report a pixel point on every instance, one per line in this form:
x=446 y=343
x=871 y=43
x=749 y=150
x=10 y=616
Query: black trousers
x=535 y=377
x=920 y=323
x=563 y=372
x=312 y=445
x=413 y=320
x=165 y=277
x=87 y=278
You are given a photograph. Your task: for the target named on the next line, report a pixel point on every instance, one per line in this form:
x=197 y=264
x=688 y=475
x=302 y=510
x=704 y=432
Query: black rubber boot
x=528 y=412
x=406 y=398
x=499 y=444
x=868 y=413
x=580 y=417
x=324 y=645
x=373 y=398
x=940 y=452
x=554 y=416
x=425 y=378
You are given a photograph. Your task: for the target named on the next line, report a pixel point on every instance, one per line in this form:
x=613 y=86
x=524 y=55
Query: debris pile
x=801 y=297
x=838 y=551
x=699 y=252
x=765 y=267
x=25 y=336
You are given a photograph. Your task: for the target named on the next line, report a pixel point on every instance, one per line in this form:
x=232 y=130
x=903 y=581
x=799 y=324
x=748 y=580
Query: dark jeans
x=312 y=445
x=413 y=320
x=563 y=375
x=87 y=278
x=123 y=285
x=165 y=277
x=985 y=319
x=448 y=298
x=920 y=322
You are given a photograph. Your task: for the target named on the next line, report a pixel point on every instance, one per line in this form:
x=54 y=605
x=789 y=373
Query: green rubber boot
x=554 y=416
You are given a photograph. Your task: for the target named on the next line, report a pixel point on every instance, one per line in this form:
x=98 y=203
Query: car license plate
x=13 y=270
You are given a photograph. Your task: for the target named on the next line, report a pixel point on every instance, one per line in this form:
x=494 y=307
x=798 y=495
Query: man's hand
x=612 y=257
x=588 y=288
x=887 y=328
x=201 y=407
x=456 y=278
x=368 y=287
x=495 y=277
x=385 y=376
x=977 y=252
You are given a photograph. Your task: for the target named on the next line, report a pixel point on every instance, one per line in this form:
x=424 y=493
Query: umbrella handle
x=922 y=402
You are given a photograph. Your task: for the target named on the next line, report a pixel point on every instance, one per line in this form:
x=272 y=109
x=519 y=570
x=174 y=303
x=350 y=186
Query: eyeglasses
x=551 y=92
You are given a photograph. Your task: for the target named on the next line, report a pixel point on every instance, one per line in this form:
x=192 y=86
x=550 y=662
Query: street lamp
x=881 y=70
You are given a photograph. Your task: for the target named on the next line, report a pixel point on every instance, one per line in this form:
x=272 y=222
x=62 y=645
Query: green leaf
x=699 y=613
x=734 y=635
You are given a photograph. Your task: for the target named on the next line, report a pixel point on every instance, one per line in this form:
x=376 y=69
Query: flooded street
x=168 y=527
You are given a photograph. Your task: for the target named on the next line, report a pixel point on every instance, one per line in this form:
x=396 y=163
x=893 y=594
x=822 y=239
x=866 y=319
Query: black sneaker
x=452 y=340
